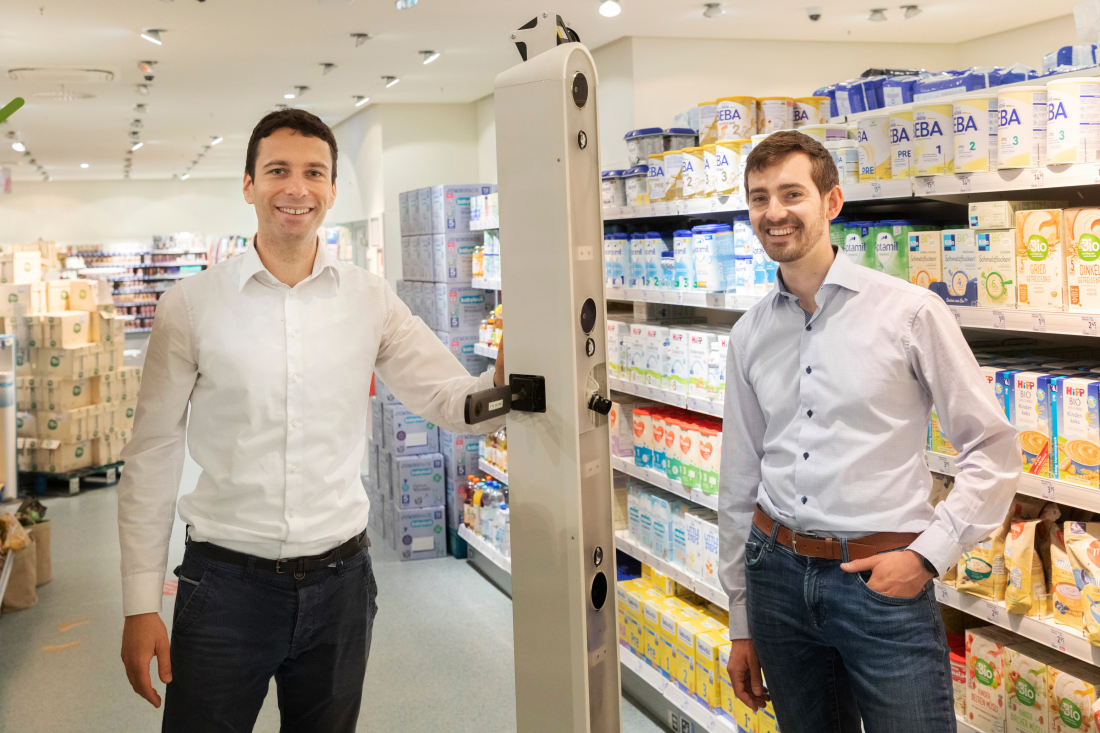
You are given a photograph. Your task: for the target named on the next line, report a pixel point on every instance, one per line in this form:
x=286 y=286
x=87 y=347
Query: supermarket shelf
x=480 y=282
x=677 y=698
x=711 y=593
x=699 y=299
x=485 y=350
x=661 y=481
x=1050 y=489
x=139 y=291
x=135 y=265
x=146 y=329
x=492 y=471
x=481 y=226
x=1018 y=319
x=127 y=278
x=1056 y=636
x=961 y=726
x=487 y=550
x=709 y=205
x=667 y=397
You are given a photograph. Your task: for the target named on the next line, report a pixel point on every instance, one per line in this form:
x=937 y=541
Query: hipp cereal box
x=1030 y=411
x=1078 y=432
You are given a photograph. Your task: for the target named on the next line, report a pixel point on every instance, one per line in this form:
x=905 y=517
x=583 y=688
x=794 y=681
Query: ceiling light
x=360 y=100
x=143 y=89
x=216 y=140
x=152 y=35
x=390 y=81
x=713 y=10
x=404 y=4
x=136 y=124
x=139 y=108
x=326 y=68
x=429 y=56
x=138 y=145
x=289 y=95
x=360 y=38
x=18 y=147
x=610 y=8
x=185 y=176
x=911 y=11
x=83 y=165
x=878 y=15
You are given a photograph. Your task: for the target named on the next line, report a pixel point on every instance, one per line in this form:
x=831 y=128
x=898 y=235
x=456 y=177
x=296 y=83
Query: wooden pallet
x=95 y=477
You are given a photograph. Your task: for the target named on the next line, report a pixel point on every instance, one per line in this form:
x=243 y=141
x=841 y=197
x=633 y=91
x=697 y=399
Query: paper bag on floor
x=20 y=593
x=44 y=565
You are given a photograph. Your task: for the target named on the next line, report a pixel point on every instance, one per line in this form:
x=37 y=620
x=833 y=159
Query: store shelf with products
x=712 y=593
x=666 y=397
x=474 y=540
x=485 y=284
x=1062 y=492
x=661 y=481
x=485 y=350
x=491 y=470
x=679 y=700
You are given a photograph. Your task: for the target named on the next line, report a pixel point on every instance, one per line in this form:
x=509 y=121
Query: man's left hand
x=897 y=574
x=498 y=376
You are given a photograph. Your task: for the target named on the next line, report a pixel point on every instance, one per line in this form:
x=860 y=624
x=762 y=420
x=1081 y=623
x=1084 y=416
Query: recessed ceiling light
x=360 y=100
x=713 y=10
x=185 y=176
x=429 y=56
x=83 y=165
x=911 y=11
x=18 y=147
x=610 y=8
x=143 y=89
x=216 y=140
x=390 y=81
x=404 y=4
x=152 y=35
x=289 y=95
x=878 y=15
x=138 y=145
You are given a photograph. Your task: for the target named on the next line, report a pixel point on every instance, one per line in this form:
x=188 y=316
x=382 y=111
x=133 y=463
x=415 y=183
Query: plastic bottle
x=503 y=450
x=504 y=543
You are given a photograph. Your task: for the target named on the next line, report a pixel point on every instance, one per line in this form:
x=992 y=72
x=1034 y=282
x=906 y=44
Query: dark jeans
x=833 y=650
x=235 y=628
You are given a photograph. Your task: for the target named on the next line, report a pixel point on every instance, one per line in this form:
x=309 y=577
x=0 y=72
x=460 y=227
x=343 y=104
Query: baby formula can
x=810 y=111
x=873 y=143
x=728 y=165
x=684 y=272
x=825 y=133
x=674 y=176
x=710 y=170
x=774 y=113
x=933 y=148
x=691 y=172
x=736 y=117
x=1073 y=120
x=901 y=144
x=1022 y=127
x=974 y=118
x=708 y=122
x=656 y=180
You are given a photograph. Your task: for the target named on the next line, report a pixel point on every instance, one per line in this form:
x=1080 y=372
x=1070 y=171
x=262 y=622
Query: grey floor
x=441 y=658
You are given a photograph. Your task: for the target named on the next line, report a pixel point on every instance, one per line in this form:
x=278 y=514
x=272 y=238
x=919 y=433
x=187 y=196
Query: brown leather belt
x=828 y=548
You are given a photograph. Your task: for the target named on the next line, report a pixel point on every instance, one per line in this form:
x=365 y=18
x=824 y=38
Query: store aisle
x=441 y=657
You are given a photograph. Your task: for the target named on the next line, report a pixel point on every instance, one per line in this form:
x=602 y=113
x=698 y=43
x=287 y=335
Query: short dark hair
x=779 y=145
x=298 y=120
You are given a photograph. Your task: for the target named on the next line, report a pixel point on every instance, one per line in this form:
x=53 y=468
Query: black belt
x=298 y=565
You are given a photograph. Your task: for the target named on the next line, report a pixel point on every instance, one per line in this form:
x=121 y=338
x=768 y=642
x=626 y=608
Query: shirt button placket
x=293 y=402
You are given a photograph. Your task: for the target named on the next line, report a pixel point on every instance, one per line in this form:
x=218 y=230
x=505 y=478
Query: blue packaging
x=420 y=534
x=1017 y=73
x=654 y=246
x=898 y=90
x=668 y=268
x=725 y=253
x=684 y=275
x=406 y=434
x=1069 y=57
x=459 y=456
x=417 y=481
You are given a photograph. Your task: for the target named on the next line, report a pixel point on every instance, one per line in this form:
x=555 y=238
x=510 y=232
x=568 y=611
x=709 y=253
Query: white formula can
x=873 y=143
x=901 y=144
x=1022 y=127
x=728 y=156
x=710 y=169
x=1073 y=120
x=810 y=111
x=933 y=147
x=774 y=113
x=657 y=181
x=674 y=176
x=692 y=174
x=825 y=133
x=708 y=122
x=736 y=118
x=846 y=157
x=975 y=128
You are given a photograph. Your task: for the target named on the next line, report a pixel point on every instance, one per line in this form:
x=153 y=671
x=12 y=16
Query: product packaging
x=1001 y=214
x=1083 y=546
x=417 y=481
x=1040 y=259
x=1072 y=697
x=1066 y=595
x=1030 y=411
x=1082 y=236
x=997 y=268
x=925 y=258
x=1078 y=432
x=985 y=678
x=960 y=268
x=420 y=533
x=1026 y=664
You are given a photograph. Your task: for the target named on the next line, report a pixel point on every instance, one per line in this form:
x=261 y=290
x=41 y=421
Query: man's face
x=788 y=213
x=293 y=188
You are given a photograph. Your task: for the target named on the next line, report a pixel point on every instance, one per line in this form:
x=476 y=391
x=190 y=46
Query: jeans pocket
x=754 y=554
x=882 y=597
x=191 y=595
x=372 y=585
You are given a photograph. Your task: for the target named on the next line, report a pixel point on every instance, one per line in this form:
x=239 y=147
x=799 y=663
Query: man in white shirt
x=828 y=542
x=273 y=351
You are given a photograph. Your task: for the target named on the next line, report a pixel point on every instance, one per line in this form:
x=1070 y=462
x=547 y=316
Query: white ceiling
x=224 y=63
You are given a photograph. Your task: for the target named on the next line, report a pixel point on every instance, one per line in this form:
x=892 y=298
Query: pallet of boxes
x=75 y=398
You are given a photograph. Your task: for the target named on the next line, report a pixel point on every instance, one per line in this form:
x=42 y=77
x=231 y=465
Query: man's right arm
x=154 y=456
x=742 y=449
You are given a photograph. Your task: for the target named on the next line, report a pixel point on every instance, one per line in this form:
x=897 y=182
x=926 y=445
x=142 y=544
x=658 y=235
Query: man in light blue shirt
x=828 y=541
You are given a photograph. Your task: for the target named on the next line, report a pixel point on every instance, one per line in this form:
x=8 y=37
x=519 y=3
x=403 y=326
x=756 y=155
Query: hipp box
x=1030 y=412
x=1078 y=432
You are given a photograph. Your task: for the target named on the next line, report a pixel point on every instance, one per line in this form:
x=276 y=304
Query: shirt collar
x=842 y=272
x=251 y=265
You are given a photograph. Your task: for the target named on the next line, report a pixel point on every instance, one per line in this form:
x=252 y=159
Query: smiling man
x=828 y=542
x=273 y=353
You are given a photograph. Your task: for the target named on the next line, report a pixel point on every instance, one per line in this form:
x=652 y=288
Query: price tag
x=1057 y=638
x=994 y=614
x=876 y=189
x=1088 y=326
x=929 y=185
x=999 y=320
x=1037 y=175
x=675 y=696
x=715 y=204
x=964 y=183
x=1047 y=490
x=714 y=300
x=1039 y=322
x=940 y=463
x=958 y=316
x=633 y=662
x=941 y=593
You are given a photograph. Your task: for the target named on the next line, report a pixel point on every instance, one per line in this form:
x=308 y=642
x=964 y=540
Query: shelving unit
x=493 y=471
x=485 y=350
x=661 y=481
x=667 y=397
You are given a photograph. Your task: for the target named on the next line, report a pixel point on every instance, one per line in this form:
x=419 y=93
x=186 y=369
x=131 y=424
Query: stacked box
x=417 y=481
x=420 y=533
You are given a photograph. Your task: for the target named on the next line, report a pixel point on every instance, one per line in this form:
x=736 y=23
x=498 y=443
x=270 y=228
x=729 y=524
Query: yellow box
x=620 y=611
x=687 y=628
x=82 y=295
x=53 y=456
x=107 y=328
x=707 y=675
x=635 y=640
x=65 y=394
x=64 y=329
x=21 y=267
x=57 y=296
x=15 y=299
x=656 y=653
x=38 y=298
x=765 y=717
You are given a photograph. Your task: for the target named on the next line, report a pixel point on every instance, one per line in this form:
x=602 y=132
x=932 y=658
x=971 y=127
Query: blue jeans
x=236 y=627
x=834 y=651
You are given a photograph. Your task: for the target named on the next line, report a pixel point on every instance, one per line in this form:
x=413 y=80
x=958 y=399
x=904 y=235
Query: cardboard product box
x=111 y=359
x=407 y=433
x=450 y=206
x=1077 y=431
x=461 y=347
x=1025 y=664
x=1041 y=259
x=21 y=267
x=985 y=685
x=1072 y=696
x=460 y=454
x=1002 y=214
x=106 y=328
x=83 y=295
x=414 y=211
x=455 y=504
x=403 y=212
x=707 y=676
x=64 y=329
x=64 y=425
x=124 y=415
x=377 y=422
x=420 y=533
x=384 y=470
x=1083 y=259
x=38 y=298
x=53 y=456
x=960 y=268
x=427 y=305
x=26 y=426
x=453 y=256
x=372 y=466
x=65 y=394
x=28 y=393
x=424 y=210
x=1029 y=401
x=57 y=296
x=439 y=295
x=383 y=393
x=925 y=258
x=466 y=308
x=996 y=268
x=15 y=299
x=417 y=481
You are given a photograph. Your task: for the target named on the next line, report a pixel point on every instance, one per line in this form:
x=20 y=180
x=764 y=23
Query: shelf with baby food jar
x=701 y=588
x=487 y=550
x=492 y=470
x=680 y=296
x=1049 y=489
x=1056 y=636
x=666 y=397
x=661 y=481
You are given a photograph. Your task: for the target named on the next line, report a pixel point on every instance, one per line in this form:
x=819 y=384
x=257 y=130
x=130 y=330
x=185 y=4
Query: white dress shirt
x=826 y=422
x=278 y=381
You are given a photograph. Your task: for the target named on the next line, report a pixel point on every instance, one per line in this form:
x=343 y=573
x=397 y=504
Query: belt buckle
x=279 y=566
x=806 y=535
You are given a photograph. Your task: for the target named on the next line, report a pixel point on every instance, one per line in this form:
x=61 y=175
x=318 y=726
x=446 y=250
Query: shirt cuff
x=142 y=593
x=938 y=547
x=738 y=622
